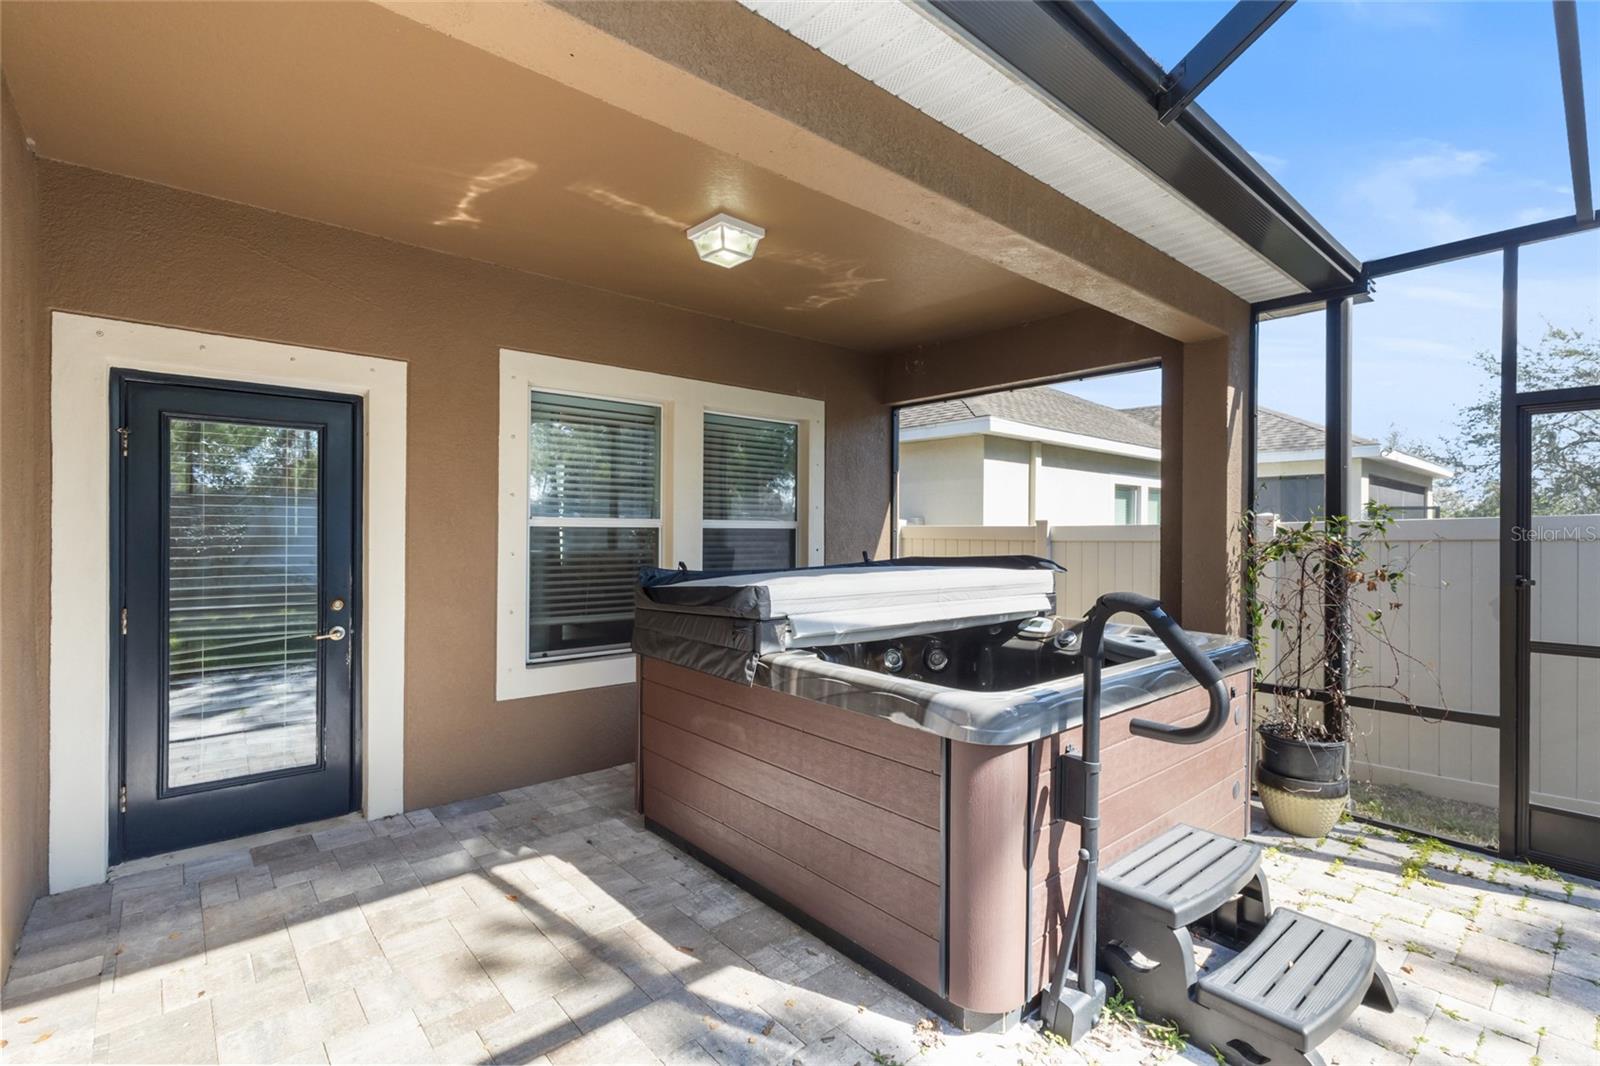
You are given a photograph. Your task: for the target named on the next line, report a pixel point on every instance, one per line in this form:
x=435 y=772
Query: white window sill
x=522 y=681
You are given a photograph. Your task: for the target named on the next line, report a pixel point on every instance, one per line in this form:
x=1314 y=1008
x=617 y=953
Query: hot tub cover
x=722 y=623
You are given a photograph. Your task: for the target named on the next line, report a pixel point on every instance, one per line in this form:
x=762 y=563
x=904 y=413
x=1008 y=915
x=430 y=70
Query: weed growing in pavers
x=1423 y=850
x=1167 y=1035
x=1120 y=1013
x=1561 y=939
x=1222 y=1060
x=880 y=1059
x=1422 y=949
x=1119 y=1009
x=1453 y=1015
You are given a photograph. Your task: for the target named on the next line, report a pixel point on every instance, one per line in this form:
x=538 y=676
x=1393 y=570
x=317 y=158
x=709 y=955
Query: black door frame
x=120 y=380
x=1534 y=825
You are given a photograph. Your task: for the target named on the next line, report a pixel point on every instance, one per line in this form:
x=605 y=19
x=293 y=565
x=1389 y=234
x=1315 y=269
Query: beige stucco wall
x=24 y=584
x=125 y=249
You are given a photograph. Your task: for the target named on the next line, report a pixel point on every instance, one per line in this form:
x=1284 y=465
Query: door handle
x=1523 y=582
x=337 y=633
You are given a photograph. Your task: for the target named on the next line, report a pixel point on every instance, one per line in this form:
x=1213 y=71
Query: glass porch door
x=235 y=627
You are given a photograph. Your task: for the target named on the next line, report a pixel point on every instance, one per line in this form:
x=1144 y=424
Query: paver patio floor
x=545 y=924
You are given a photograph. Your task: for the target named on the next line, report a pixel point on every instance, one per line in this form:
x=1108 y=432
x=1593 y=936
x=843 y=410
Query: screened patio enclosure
x=1475 y=353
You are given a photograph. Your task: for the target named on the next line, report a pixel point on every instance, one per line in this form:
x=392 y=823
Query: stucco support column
x=1171 y=547
x=1203 y=440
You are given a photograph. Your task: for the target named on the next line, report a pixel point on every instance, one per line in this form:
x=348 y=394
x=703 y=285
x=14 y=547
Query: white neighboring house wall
x=989 y=471
x=941 y=482
x=1366 y=462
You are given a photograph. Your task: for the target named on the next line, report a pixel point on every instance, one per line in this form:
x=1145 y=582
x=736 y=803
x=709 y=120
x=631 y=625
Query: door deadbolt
x=337 y=604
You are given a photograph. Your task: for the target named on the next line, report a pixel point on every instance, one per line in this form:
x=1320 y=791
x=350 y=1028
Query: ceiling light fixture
x=725 y=240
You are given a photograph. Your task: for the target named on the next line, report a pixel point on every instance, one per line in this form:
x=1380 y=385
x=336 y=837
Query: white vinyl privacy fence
x=1448 y=632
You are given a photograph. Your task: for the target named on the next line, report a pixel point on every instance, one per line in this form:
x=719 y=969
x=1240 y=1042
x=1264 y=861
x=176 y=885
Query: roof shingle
x=1043 y=406
x=1275 y=431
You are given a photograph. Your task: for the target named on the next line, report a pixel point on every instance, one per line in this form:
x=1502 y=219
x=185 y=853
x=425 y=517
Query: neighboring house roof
x=1045 y=413
x=1042 y=406
x=1275 y=431
x=1285 y=438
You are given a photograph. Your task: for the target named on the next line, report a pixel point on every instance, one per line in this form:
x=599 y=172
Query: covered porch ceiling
x=352 y=114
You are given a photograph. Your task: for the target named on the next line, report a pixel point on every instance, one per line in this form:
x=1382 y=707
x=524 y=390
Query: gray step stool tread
x=1299 y=979
x=1183 y=875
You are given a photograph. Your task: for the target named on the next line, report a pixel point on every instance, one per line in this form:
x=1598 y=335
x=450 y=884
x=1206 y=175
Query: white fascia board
x=1002 y=427
x=965 y=427
x=1362 y=451
x=1411 y=462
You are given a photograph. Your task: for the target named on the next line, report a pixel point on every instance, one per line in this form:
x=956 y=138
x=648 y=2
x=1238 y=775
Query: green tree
x=1565 y=448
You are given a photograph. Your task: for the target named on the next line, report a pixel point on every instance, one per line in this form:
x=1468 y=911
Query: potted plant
x=1319 y=597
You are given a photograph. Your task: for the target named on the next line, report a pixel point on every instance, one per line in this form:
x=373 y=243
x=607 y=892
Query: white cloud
x=1407 y=195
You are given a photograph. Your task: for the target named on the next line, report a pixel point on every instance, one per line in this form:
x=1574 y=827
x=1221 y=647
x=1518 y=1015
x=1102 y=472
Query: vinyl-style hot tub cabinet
x=873 y=749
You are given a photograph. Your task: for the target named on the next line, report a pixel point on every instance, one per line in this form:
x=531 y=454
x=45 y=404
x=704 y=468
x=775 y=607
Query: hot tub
x=871 y=748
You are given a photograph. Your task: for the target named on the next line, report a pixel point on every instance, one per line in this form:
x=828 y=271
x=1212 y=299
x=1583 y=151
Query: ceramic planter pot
x=1303 y=760
x=1301 y=814
x=1303 y=785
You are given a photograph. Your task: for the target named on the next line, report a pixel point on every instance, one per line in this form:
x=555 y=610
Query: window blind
x=242 y=553
x=590 y=458
x=750 y=477
x=749 y=469
x=594 y=516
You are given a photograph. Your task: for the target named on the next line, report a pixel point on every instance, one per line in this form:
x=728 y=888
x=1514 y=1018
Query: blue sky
x=1401 y=125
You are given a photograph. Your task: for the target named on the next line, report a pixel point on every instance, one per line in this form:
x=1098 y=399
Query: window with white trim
x=594 y=518
x=748 y=515
x=1125 y=505
x=604 y=470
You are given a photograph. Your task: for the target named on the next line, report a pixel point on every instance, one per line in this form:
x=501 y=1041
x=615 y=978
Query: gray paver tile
x=529 y=1033
x=1345 y=1048
x=292 y=1033
x=613 y=1044
x=398 y=1039
x=183 y=1035
x=1557 y=1050
x=342 y=964
x=551 y=927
